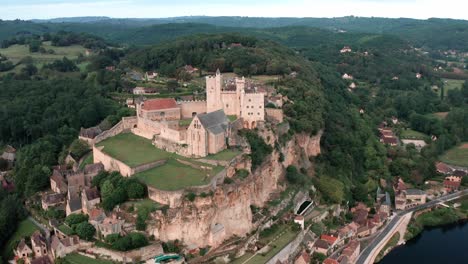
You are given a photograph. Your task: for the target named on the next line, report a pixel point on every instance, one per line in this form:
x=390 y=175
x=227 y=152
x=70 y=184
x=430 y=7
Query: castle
x=162 y=119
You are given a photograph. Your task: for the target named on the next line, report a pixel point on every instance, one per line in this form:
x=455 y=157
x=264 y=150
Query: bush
x=260 y=149
x=75 y=219
x=228 y=180
x=191 y=196
x=85 y=230
x=129 y=242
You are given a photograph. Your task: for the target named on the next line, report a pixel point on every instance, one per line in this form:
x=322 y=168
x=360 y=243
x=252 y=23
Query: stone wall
x=170 y=146
x=288 y=251
x=113 y=164
x=137 y=255
x=125 y=125
x=187 y=108
x=274 y=115
x=110 y=164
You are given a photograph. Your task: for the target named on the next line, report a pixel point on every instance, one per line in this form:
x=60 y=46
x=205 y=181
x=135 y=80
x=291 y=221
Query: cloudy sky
x=28 y=9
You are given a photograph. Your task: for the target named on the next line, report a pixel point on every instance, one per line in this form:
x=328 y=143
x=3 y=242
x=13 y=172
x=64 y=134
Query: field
x=457 y=156
x=133 y=150
x=25 y=228
x=450 y=84
x=17 y=52
x=80 y=259
x=412 y=134
x=175 y=176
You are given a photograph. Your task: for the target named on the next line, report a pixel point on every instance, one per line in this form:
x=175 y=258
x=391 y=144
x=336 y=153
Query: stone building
x=39 y=244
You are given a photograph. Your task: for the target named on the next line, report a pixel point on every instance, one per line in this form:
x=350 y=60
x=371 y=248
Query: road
x=389 y=227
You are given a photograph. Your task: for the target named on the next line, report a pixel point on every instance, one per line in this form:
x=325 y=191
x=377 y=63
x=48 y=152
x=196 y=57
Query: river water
x=447 y=244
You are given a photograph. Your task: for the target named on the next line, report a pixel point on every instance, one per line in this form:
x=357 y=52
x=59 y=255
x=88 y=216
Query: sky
x=43 y=9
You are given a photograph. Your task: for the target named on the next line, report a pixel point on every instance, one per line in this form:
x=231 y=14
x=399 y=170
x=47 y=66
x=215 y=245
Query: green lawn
x=227 y=154
x=143 y=204
x=88 y=160
x=25 y=228
x=17 y=52
x=412 y=134
x=232 y=118
x=175 y=176
x=185 y=122
x=133 y=150
x=80 y=259
x=457 y=156
x=450 y=84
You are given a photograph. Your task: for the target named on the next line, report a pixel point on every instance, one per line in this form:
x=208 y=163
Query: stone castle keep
x=160 y=119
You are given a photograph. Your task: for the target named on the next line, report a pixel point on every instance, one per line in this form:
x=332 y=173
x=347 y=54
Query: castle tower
x=213 y=92
x=240 y=90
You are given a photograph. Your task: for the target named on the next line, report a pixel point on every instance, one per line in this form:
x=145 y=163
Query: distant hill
x=434 y=33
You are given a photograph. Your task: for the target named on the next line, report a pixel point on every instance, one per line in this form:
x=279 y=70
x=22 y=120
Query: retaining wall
x=291 y=248
x=126 y=124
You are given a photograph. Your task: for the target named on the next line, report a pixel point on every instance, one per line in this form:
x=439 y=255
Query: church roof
x=215 y=122
x=159 y=103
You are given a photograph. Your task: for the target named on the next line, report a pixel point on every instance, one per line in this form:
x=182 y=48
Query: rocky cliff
x=212 y=219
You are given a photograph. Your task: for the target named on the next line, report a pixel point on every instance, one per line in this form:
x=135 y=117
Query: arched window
x=162 y=114
x=194 y=114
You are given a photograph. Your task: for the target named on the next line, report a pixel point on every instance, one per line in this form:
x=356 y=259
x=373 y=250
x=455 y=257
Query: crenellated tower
x=213 y=92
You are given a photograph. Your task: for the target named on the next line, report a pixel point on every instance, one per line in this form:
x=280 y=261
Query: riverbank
x=435 y=218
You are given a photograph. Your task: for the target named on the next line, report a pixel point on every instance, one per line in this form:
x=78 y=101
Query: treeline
x=60 y=39
x=243 y=55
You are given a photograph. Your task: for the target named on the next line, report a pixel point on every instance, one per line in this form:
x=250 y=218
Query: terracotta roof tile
x=159 y=104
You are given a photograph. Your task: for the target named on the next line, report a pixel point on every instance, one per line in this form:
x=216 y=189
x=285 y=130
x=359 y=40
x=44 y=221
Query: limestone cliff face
x=212 y=219
x=298 y=150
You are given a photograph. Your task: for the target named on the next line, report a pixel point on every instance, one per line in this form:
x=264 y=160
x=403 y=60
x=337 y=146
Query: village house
x=332 y=240
x=443 y=168
x=360 y=213
x=345 y=49
x=299 y=219
x=88 y=134
x=351 y=251
x=110 y=225
x=38 y=244
x=418 y=75
x=452 y=182
x=62 y=247
x=407 y=198
x=347 y=76
x=190 y=69
x=151 y=75
x=352 y=86
x=89 y=199
x=23 y=251
x=347 y=231
x=52 y=200
x=330 y=261
x=74 y=204
x=303 y=258
x=321 y=246
x=91 y=171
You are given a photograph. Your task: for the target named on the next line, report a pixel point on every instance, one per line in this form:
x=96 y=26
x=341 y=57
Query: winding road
x=366 y=255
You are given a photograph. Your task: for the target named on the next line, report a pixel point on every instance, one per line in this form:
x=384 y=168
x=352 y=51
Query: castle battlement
x=190 y=101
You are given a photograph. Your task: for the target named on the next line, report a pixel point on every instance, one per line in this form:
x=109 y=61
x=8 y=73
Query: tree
x=135 y=190
x=172 y=85
x=78 y=148
x=75 y=219
x=85 y=230
x=34 y=46
x=140 y=223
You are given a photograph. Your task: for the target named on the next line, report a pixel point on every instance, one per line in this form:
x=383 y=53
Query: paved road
x=376 y=241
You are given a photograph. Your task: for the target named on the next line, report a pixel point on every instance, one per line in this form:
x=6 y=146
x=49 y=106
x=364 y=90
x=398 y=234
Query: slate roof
x=38 y=238
x=321 y=244
x=215 y=122
x=92 y=193
x=91 y=132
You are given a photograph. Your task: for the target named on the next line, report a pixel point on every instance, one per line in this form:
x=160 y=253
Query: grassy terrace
x=133 y=150
x=175 y=176
x=457 y=156
x=88 y=160
x=412 y=134
x=80 y=259
x=25 y=229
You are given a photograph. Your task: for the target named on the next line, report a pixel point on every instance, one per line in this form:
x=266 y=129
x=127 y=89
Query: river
x=447 y=244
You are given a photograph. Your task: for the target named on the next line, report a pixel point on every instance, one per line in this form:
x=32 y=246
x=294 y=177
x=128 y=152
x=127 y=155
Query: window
x=227 y=105
x=250 y=100
x=260 y=106
x=258 y=113
x=247 y=106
